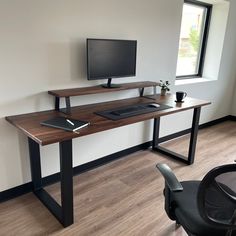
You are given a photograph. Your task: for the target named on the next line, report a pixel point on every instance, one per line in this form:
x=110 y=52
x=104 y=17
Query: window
x=193 y=38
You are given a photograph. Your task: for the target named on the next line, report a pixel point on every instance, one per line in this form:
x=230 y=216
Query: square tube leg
x=193 y=137
x=63 y=213
x=35 y=164
x=66 y=182
x=156 y=130
x=193 y=140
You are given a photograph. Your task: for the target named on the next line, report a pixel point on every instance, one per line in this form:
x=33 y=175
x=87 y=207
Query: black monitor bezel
x=112 y=76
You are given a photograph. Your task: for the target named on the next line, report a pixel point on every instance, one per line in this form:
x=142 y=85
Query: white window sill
x=192 y=81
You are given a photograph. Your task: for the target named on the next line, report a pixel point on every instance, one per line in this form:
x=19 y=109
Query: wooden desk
x=42 y=135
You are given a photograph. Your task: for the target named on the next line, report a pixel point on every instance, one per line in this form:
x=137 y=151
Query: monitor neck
x=110 y=85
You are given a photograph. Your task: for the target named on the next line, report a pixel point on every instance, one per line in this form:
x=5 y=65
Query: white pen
x=69 y=121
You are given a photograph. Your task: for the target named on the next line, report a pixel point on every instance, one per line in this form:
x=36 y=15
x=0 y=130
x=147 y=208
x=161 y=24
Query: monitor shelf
x=67 y=93
x=99 y=89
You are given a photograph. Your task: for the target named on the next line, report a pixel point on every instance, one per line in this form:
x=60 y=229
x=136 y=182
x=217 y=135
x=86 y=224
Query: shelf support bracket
x=154 y=90
x=57 y=103
x=68 y=106
x=67 y=109
x=141 y=91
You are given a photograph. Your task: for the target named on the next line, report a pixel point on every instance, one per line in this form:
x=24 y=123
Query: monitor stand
x=110 y=85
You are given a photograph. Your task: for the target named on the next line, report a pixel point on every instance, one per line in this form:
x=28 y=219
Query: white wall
x=214 y=48
x=234 y=102
x=42 y=46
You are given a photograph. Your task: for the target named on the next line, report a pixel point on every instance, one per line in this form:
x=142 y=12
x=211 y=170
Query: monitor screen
x=108 y=58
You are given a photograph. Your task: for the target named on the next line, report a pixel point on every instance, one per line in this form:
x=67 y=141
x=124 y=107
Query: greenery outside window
x=193 y=39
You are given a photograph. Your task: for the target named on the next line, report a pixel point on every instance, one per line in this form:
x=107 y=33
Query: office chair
x=202 y=208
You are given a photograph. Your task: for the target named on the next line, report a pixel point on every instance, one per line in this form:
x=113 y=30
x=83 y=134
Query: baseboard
x=232 y=118
x=187 y=131
x=26 y=188
x=15 y=192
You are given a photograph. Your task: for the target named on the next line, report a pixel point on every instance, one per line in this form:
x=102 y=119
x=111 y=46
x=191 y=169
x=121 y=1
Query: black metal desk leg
x=193 y=137
x=34 y=153
x=66 y=182
x=156 y=130
x=63 y=213
x=192 y=145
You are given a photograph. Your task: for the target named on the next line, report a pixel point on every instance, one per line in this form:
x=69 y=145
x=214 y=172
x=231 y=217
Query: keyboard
x=129 y=110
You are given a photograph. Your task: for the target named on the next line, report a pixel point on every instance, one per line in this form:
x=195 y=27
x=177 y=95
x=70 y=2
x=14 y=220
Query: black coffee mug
x=180 y=96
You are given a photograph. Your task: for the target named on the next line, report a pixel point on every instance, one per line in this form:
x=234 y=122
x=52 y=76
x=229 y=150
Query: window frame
x=208 y=8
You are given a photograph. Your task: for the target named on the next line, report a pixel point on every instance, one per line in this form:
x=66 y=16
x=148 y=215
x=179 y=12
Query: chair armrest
x=170 y=178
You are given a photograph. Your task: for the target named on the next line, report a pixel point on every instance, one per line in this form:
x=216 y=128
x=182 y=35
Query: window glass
x=191 y=39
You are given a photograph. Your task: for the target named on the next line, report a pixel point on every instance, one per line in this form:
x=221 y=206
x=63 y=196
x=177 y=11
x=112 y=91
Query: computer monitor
x=110 y=58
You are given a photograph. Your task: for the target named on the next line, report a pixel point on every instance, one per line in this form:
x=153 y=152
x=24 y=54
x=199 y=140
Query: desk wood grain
x=29 y=124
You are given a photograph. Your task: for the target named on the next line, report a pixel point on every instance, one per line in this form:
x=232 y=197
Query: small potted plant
x=164 y=87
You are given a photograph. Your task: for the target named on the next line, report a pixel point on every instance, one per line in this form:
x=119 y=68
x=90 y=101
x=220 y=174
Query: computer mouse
x=154 y=105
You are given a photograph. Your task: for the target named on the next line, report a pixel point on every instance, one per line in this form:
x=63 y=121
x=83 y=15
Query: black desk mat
x=109 y=115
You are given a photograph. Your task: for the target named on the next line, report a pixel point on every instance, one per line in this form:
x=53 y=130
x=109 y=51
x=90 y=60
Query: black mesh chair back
x=202 y=208
x=217 y=197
